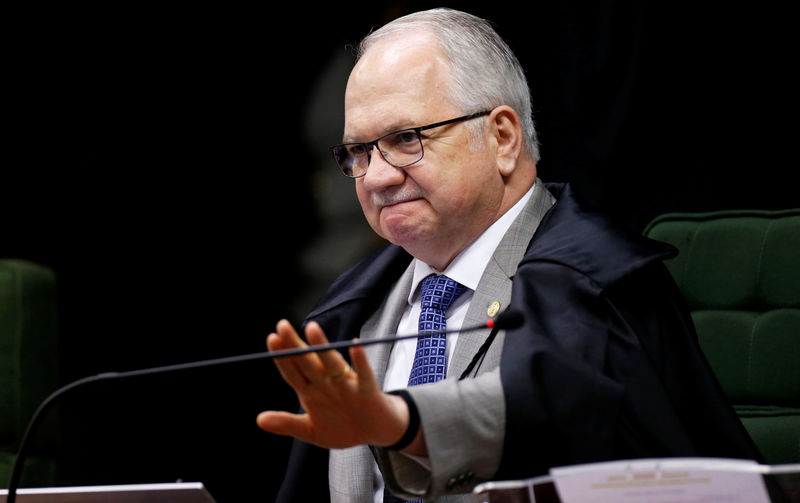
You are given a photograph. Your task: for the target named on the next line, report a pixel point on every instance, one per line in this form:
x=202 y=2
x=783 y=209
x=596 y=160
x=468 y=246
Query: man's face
x=438 y=206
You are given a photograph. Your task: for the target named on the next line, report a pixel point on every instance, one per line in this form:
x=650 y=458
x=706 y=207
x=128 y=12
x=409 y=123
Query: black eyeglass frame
x=374 y=143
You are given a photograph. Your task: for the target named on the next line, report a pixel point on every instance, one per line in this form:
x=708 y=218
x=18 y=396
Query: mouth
x=399 y=208
x=389 y=204
x=388 y=200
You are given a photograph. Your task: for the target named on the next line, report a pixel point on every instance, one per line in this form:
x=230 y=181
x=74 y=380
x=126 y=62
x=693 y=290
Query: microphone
x=504 y=321
x=508 y=319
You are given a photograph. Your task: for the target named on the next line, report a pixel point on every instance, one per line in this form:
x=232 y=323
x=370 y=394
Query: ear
x=507 y=131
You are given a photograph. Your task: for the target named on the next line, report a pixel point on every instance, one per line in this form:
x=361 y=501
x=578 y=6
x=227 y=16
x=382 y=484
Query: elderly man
x=440 y=140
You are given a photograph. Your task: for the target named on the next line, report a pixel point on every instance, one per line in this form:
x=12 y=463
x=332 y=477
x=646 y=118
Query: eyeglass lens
x=400 y=149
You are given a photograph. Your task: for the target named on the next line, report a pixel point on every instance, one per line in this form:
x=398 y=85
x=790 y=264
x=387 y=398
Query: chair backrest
x=739 y=272
x=28 y=364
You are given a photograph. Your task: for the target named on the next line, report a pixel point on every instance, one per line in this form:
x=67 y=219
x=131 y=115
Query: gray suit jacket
x=465 y=435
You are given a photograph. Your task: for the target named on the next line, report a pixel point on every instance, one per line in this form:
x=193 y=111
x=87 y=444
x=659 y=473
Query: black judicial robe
x=606 y=365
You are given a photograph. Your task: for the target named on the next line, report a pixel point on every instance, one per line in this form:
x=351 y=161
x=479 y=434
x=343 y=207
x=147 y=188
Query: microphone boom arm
x=507 y=319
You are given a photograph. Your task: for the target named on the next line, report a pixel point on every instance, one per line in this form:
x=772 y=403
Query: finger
x=336 y=368
x=285 y=423
x=285 y=366
x=366 y=378
x=289 y=335
x=309 y=365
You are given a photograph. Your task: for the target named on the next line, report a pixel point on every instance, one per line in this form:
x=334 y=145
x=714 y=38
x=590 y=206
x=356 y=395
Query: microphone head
x=508 y=319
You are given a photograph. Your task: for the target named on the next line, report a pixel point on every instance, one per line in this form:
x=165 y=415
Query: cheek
x=452 y=194
x=363 y=198
x=467 y=194
x=369 y=210
x=361 y=193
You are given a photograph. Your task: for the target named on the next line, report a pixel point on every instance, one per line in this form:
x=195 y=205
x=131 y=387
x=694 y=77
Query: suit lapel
x=383 y=323
x=350 y=469
x=495 y=283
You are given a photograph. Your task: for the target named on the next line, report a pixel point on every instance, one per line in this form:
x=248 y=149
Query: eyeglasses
x=399 y=148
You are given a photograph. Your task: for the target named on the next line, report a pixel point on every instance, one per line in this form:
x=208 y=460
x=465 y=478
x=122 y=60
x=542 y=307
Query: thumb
x=285 y=423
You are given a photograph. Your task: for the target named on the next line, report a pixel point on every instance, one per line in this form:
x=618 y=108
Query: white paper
x=678 y=480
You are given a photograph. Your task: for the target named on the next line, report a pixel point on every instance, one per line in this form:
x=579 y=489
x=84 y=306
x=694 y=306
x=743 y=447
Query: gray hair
x=485 y=73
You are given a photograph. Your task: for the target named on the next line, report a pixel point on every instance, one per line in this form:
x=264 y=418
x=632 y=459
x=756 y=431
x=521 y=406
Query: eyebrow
x=395 y=126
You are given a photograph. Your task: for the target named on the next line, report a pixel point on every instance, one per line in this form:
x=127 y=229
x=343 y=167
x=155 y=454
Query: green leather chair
x=740 y=274
x=28 y=366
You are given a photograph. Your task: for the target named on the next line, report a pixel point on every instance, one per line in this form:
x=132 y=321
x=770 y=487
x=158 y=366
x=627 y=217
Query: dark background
x=169 y=165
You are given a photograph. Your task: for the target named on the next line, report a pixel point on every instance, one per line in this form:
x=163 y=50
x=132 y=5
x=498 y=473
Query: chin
x=403 y=231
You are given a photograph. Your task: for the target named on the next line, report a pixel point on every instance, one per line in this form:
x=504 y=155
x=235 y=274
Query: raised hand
x=342 y=406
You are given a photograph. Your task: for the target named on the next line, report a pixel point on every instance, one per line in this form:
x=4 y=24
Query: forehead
x=400 y=82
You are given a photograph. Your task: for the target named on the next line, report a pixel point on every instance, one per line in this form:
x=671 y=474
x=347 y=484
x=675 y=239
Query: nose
x=381 y=174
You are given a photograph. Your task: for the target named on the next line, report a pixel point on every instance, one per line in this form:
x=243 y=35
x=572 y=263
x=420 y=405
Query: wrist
x=411 y=424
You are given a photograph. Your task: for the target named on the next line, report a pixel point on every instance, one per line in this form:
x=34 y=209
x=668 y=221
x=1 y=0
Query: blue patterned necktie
x=430 y=360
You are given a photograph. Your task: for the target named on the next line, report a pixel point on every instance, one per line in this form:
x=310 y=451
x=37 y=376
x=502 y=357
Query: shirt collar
x=468 y=266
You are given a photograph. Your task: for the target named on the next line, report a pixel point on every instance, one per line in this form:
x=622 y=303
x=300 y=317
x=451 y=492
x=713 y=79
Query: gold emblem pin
x=493 y=309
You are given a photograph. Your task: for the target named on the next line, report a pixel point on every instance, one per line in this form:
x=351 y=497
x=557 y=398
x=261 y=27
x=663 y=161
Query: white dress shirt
x=467 y=269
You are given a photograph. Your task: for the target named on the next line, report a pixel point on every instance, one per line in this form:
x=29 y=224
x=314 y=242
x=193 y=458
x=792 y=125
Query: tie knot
x=439 y=292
